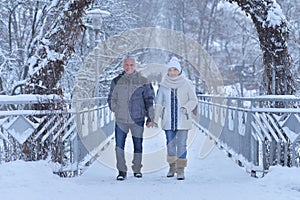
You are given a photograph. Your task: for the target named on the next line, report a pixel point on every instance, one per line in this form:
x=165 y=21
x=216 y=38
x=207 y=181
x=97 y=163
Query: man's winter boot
x=121 y=176
x=181 y=164
x=172 y=162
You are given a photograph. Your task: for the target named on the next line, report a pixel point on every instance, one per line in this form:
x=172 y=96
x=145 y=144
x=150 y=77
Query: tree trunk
x=273 y=33
x=45 y=66
x=50 y=53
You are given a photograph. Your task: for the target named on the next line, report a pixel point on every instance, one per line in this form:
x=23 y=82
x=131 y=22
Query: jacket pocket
x=186 y=121
x=163 y=113
x=163 y=118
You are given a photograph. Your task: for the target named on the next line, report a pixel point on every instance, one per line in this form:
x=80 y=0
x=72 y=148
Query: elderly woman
x=175 y=101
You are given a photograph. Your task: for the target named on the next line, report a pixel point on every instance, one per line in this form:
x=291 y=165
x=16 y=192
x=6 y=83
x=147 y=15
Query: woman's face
x=173 y=72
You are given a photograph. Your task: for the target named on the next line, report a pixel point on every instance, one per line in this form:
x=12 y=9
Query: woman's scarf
x=173 y=82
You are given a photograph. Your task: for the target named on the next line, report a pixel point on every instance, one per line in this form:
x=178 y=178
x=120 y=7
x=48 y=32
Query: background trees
x=223 y=29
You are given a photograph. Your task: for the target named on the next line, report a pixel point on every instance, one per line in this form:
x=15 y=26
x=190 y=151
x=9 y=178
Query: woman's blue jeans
x=176 y=143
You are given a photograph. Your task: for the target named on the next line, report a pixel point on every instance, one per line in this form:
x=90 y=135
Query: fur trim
x=181 y=162
x=171 y=159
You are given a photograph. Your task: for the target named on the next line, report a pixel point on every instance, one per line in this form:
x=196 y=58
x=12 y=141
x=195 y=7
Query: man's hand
x=150 y=124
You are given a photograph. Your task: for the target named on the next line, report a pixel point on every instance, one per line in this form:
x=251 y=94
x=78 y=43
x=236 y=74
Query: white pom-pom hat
x=174 y=62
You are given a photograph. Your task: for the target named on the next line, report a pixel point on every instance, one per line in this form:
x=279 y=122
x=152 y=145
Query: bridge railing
x=256 y=132
x=61 y=136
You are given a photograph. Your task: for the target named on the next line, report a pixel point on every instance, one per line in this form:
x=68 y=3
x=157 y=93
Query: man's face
x=129 y=66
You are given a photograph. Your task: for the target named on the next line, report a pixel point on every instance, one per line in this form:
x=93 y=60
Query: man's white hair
x=129 y=58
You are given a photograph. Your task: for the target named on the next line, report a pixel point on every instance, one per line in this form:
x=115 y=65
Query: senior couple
x=131 y=98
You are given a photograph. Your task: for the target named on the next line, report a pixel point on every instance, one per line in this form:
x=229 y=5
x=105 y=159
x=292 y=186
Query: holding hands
x=151 y=124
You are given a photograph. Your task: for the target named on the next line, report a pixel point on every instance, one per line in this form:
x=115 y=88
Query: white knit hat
x=174 y=62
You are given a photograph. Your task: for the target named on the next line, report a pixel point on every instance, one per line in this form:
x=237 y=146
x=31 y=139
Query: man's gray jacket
x=131 y=98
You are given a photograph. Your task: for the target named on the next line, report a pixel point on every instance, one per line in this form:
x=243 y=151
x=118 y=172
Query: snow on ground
x=215 y=177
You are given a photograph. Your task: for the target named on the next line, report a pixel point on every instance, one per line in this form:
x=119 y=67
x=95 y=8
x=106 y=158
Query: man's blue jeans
x=121 y=131
x=176 y=143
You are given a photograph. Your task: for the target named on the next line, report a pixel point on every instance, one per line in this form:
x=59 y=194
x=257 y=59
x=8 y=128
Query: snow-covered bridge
x=254 y=132
x=30 y=134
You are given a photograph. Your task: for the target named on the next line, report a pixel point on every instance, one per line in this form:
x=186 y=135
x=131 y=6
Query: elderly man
x=131 y=98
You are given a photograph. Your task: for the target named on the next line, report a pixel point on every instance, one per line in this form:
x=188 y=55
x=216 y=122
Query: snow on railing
x=257 y=132
x=62 y=136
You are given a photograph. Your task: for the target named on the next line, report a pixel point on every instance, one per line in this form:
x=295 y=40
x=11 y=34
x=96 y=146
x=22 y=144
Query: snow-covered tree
x=103 y=20
x=273 y=33
x=51 y=51
x=18 y=26
x=221 y=30
x=291 y=10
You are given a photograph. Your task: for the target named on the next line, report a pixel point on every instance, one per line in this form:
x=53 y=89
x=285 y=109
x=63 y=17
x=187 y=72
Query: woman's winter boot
x=172 y=162
x=172 y=170
x=181 y=164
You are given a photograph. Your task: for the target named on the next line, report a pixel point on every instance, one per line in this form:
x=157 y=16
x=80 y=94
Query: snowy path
x=215 y=177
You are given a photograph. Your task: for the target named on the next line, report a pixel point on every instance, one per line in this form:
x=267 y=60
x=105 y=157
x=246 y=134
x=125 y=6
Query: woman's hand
x=183 y=110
